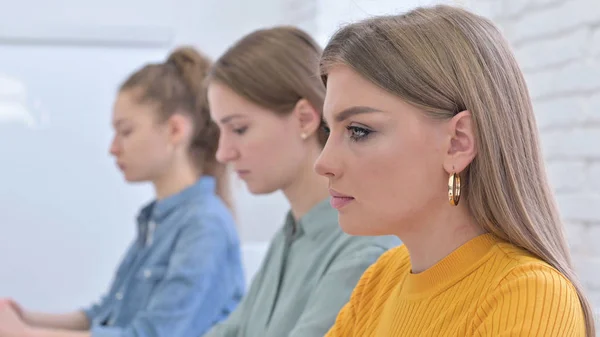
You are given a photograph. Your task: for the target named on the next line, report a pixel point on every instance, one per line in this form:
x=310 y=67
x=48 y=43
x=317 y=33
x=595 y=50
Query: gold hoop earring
x=454 y=189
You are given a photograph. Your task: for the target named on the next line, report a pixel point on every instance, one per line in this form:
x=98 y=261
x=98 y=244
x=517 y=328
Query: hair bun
x=192 y=65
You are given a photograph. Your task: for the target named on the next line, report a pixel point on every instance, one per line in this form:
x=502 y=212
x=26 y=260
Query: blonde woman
x=433 y=139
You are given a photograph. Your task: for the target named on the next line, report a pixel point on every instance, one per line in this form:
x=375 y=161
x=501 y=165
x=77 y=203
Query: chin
x=133 y=179
x=260 y=188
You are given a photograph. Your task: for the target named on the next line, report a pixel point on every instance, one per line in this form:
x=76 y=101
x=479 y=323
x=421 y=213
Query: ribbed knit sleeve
x=532 y=300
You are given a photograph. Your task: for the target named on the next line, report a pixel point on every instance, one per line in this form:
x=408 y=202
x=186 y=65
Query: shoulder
x=532 y=292
x=384 y=269
x=524 y=275
x=208 y=214
x=205 y=221
x=380 y=278
x=517 y=264
x=389 y=265
x=343 y=250
x=384 y=243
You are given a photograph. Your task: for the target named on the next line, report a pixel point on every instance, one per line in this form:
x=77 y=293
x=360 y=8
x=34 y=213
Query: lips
x=339 y=200
x=242 y=173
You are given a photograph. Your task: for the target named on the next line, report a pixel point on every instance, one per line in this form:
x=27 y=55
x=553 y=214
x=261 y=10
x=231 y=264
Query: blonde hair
x=176 y=86
x=444 y=60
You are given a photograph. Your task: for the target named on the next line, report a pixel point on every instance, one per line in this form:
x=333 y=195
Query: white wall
x=209 y=24
x=65 y=214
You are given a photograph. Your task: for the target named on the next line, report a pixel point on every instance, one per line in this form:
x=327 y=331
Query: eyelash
x=358 y=133
x=240 y=131
x=364 y=132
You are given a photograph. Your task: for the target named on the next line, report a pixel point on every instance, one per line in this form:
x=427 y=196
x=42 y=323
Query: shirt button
x=119 y=296
x=147 y=273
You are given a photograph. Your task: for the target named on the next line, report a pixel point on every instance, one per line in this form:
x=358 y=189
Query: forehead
x=347 y=89
x=128 y=107
x=226 y=104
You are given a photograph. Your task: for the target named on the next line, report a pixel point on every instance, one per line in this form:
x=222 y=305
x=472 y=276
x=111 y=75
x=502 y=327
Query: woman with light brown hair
x=433 y=139
x=182 y=273
x=266 y=97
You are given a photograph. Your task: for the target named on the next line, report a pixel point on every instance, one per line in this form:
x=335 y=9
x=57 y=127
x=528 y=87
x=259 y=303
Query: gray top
x=307 y=276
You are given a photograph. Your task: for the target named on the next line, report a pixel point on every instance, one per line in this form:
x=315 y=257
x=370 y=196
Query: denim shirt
x=181 y=275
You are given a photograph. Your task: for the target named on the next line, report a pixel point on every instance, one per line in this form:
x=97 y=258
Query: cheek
x=290 y=150
x=135 y=143
x=146 y=147
x=400 y=175
x=387 y=169
x=253 y=147
x=270 y=144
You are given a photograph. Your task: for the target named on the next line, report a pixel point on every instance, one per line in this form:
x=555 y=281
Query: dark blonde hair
x=444 y=60
x=274 y=68
x=176 y=86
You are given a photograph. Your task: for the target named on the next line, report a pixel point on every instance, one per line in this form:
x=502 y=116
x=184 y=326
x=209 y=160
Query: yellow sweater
x=486 y=287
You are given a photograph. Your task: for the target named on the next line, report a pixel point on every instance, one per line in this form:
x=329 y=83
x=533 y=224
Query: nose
x=114 y=147
x=328 y=164
x=226 y=152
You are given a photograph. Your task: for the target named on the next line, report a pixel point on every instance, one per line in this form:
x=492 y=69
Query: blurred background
x=66 y=214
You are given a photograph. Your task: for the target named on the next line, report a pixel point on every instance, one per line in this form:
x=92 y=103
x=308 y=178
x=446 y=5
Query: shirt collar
x=157 y=210
x=322 y=217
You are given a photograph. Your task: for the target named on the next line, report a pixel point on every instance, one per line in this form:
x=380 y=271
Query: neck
x=429 y=241
x=307 y=188
x=175 y=180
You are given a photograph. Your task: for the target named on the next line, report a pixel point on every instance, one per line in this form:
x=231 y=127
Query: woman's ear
x=308 y=117
x=461 y=147
x=179 y=129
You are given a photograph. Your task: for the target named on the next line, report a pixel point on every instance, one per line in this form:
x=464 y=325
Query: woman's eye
x=240 y=131
x=358 y=133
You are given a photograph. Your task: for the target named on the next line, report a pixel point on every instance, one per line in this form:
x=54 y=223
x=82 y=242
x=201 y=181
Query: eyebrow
x=228 y=119
x=353 y=111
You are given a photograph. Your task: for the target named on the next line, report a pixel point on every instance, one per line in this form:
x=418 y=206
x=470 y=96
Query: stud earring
x=303 y=135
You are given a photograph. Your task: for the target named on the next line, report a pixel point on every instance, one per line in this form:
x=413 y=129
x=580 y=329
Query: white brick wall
x=557 y=43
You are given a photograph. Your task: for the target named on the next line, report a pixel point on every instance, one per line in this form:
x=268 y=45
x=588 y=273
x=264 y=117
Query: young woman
x=433 y=139
x=266 y=98
x=183 y=273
